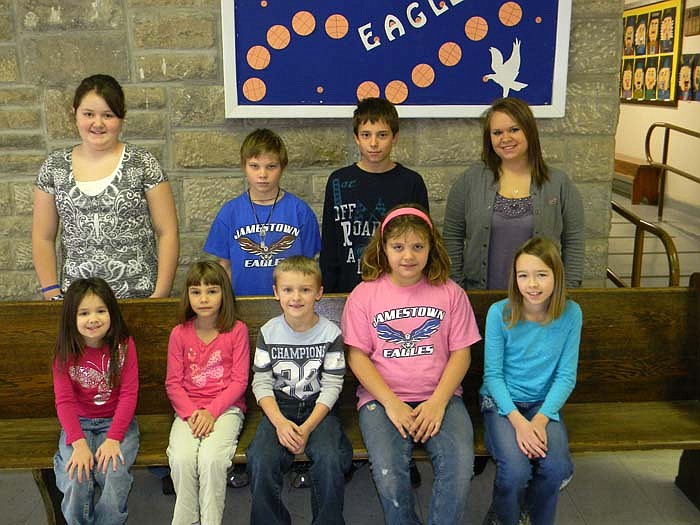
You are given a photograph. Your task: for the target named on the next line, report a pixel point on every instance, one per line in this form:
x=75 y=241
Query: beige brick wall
x=167 y=54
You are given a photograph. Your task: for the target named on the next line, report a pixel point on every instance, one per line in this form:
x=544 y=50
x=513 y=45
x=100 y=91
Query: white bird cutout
x=505 y=74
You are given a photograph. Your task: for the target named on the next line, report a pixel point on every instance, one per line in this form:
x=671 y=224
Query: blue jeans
x=80 y=504
x=532 y=484
x=451 y=452
x=330 y=453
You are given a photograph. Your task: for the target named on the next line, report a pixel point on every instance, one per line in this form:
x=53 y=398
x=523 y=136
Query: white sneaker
x=524 y=518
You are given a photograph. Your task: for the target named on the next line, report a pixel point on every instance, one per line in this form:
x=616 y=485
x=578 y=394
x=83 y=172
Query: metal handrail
x=663 y=164
x=641 y=226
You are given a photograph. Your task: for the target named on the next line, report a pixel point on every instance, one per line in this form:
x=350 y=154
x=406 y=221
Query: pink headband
x=405 y=211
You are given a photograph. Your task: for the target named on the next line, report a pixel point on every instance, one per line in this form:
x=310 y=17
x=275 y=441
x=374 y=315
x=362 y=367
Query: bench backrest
x=637 y=345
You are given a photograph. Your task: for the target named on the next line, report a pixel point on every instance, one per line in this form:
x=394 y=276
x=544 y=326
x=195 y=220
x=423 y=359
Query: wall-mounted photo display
x=685 y=72
x=638 y=80
x=628 y=38
x=653 y=33
x=689 y=78
x=650 y=74
x=691 y=24
x=651 y=47
x=640 y=35
x=627 y=73
x=663 y=83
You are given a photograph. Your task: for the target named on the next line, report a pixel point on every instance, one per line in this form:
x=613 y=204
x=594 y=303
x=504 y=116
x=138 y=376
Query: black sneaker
x=167 y=485
x=300 y=479
x=415 y=474
x=237 y=477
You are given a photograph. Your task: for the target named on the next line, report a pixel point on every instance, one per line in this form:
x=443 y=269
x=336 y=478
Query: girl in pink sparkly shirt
x=96 y=382
x=208 y=362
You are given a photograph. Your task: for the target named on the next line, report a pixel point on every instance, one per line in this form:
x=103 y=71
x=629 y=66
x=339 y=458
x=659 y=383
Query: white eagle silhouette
x=504 y=74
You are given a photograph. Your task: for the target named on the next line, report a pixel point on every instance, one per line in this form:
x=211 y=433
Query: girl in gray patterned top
x=113 y=201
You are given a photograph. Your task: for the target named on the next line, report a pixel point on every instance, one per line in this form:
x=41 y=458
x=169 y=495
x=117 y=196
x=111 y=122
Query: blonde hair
x=300 y=264
x=547 y=251
x=210 y=273
x=374 y=260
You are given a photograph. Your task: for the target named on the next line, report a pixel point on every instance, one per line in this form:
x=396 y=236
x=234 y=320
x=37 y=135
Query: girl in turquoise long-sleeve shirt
x=530 y=360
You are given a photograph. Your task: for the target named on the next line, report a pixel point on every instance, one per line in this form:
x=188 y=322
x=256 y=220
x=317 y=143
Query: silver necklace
x=264 y=228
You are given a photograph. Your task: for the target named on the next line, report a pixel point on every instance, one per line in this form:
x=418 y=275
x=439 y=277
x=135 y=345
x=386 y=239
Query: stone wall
x=167 y=54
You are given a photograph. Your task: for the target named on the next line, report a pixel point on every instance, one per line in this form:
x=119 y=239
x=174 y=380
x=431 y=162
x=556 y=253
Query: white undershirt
x=95 y=187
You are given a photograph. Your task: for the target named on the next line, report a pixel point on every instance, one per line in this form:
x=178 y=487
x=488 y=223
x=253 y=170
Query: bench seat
x=638 y=384
x=31 y=443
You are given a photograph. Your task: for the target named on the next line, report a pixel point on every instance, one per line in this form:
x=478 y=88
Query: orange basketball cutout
x=337 y=26
x=254 y=89
x=510 y=14
x=258 y=57
x=367 y=89
x=450 y=54
x=278 y=37
x=423 y=75
x=396 y=92
x=476 y=28
x=303 y=23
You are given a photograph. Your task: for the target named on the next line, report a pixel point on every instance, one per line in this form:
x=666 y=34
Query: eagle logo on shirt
x=266 y=252
x=408 y=341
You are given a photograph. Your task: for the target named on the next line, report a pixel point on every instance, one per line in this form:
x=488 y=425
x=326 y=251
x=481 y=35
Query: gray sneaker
x=524 y=518
x=566 y=482
x=491 y=518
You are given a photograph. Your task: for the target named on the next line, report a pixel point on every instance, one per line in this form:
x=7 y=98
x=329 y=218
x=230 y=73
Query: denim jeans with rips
x=451 y=452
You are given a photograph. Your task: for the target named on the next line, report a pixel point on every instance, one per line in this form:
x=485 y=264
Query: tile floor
x=632 y=488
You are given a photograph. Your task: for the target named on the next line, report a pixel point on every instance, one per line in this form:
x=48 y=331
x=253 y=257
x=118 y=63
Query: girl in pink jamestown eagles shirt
x=409 y=329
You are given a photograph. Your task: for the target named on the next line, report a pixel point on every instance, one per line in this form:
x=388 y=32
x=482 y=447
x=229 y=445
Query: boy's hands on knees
x=290 y=435
x=428 y=420
x=401 y=415
x=81 y=460
x=109 y=449
x=201 y=423
x=304 y=434
x=526 y=433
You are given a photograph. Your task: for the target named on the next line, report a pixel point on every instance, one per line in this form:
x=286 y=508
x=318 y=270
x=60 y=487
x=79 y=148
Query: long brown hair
x=374 y=259
x=521 y=113
x=548 y=252
x=70 y=344
x=209 y=273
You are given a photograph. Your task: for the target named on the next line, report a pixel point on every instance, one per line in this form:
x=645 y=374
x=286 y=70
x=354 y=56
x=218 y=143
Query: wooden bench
x=640 y=175
x=638 y=383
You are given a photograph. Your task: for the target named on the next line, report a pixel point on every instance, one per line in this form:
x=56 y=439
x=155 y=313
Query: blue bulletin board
x=433 y=58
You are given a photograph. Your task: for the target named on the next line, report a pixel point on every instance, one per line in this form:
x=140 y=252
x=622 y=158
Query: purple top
x=511 y=225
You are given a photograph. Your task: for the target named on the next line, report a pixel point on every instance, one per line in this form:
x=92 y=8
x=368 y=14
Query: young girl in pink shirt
x=96 y=382
x=208 y=362
x=409 y=330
